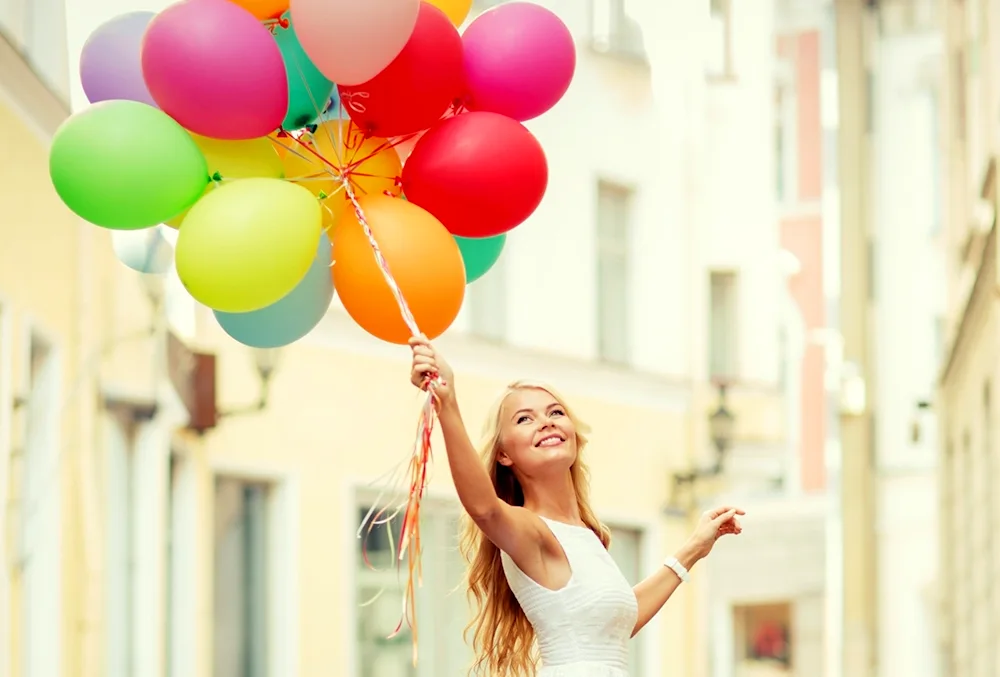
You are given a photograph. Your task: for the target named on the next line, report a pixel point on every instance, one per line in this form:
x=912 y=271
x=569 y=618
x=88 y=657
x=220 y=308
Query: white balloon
x=144 y=251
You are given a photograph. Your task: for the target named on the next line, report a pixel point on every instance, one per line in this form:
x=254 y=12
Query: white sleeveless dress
x=583 y=628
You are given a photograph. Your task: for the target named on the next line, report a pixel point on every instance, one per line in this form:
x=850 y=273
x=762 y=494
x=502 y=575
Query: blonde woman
x=539 y=566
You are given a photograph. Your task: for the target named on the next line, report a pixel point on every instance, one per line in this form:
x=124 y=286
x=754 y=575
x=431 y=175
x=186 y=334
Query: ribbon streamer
x=414 y=476
x=417 y=470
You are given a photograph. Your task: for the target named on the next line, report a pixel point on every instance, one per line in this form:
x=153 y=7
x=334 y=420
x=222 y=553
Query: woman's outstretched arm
x=514 y=530
x=653 y=592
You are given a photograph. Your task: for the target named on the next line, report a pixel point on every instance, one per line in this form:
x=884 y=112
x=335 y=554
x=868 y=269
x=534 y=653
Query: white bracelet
x=673 y=564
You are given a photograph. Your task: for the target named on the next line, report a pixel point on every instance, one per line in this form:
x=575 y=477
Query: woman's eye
x=558 y=412
x=522 y=419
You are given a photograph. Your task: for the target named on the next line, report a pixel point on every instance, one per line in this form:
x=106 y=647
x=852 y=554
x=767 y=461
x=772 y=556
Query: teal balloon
x=144 y=251
x=291 y=318
x=480 y=254
x=308 y=90
x=126 y=165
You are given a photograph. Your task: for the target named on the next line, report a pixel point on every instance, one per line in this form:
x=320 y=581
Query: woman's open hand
x=428 y=365
x=713 y=525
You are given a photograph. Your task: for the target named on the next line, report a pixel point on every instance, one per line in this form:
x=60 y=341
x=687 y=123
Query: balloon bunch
x=302 y=146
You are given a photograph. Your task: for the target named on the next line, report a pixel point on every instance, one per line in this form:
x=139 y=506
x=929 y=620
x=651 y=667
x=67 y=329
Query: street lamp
x=266 y=361
x=721 y=427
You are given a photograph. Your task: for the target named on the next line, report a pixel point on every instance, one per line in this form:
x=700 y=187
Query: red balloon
x=479 y=173
x=420 y=84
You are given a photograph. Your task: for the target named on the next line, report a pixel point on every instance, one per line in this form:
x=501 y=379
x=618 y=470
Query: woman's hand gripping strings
x=430 y=372
x=514 y=530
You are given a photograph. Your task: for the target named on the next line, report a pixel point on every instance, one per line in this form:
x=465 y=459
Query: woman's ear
x=504 y=459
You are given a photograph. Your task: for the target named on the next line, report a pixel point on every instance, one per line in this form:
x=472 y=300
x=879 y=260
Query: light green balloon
x=126 y=165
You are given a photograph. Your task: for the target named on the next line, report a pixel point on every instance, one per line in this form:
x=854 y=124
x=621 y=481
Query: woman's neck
x=554 y=498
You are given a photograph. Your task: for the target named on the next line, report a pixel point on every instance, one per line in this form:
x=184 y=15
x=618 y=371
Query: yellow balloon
x=456 y=10
x=337 y=150
x=248 y=243
x=236 y=160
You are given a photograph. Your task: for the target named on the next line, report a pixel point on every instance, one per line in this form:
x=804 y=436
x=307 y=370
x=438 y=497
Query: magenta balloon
x=519 y=60
x=215 y=69
x=110 y=67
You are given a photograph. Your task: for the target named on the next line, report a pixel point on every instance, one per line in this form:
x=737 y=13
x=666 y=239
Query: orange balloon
x=424 y=259
x=263 y=9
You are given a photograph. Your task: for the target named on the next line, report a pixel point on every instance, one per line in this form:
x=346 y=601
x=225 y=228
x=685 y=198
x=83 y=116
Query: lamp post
x=721 y=426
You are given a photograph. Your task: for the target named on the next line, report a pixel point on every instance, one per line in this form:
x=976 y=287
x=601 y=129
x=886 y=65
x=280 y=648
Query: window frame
x=284 y=520
x=6 y=439
x=492 y=290
x=52 y=610
x=358 y=495
x=732 y=369
x=617 y=42
x=621 y=251
x=728 y=72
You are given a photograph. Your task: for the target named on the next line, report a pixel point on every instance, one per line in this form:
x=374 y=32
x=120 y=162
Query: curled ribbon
x=348 y=99
x=417 y=469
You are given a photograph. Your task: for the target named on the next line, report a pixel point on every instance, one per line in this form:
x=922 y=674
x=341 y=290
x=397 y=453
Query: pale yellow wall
x=59 y=276
x=970 y=521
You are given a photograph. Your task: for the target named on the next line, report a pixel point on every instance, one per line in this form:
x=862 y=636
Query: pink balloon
x=519 y=60
x=351 y=41
x=215 y=69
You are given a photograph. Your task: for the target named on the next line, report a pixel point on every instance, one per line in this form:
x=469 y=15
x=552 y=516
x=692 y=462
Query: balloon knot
x=398 y=182
x=311 y=128
x=217 y=177
x=323 y=195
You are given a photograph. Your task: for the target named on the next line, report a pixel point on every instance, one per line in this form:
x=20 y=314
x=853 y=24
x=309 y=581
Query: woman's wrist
x=689 y=554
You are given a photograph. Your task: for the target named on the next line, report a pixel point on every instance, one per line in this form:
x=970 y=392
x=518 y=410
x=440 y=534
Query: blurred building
x=908 y=305
x=196 y=513
x=967 y=399
x=75 y=330
x=766 y=600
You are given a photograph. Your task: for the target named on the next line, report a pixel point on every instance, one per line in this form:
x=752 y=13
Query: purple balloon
x=110 y=64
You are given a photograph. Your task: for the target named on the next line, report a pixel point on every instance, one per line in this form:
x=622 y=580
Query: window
x=612 y=30
x=614 y=206
x=626 y=550
x=38 y=560
x=6 y=415
x=764 y=645
x=719 y=55
x=958 y=79
x=487 y=303
x=442 y=610
x=785 y=142
x=988 y=469
x=120 y=544
x=241 y=578
x=722 y=325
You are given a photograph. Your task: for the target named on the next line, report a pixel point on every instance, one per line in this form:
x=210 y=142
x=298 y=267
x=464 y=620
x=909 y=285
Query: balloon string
x=420 y=457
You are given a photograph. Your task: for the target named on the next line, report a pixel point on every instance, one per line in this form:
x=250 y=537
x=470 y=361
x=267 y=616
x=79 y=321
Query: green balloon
x=125 y=165
x=308 y=90
x=479 y=254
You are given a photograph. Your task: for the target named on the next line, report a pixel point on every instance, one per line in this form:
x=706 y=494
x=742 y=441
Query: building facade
x=204 y=515
x=909 y=303
x=969 y=475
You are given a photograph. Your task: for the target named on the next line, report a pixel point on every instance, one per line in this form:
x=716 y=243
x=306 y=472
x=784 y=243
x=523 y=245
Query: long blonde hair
x=502 y=638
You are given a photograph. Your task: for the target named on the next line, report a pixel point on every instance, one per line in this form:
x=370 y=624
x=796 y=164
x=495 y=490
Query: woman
x=539 y=565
